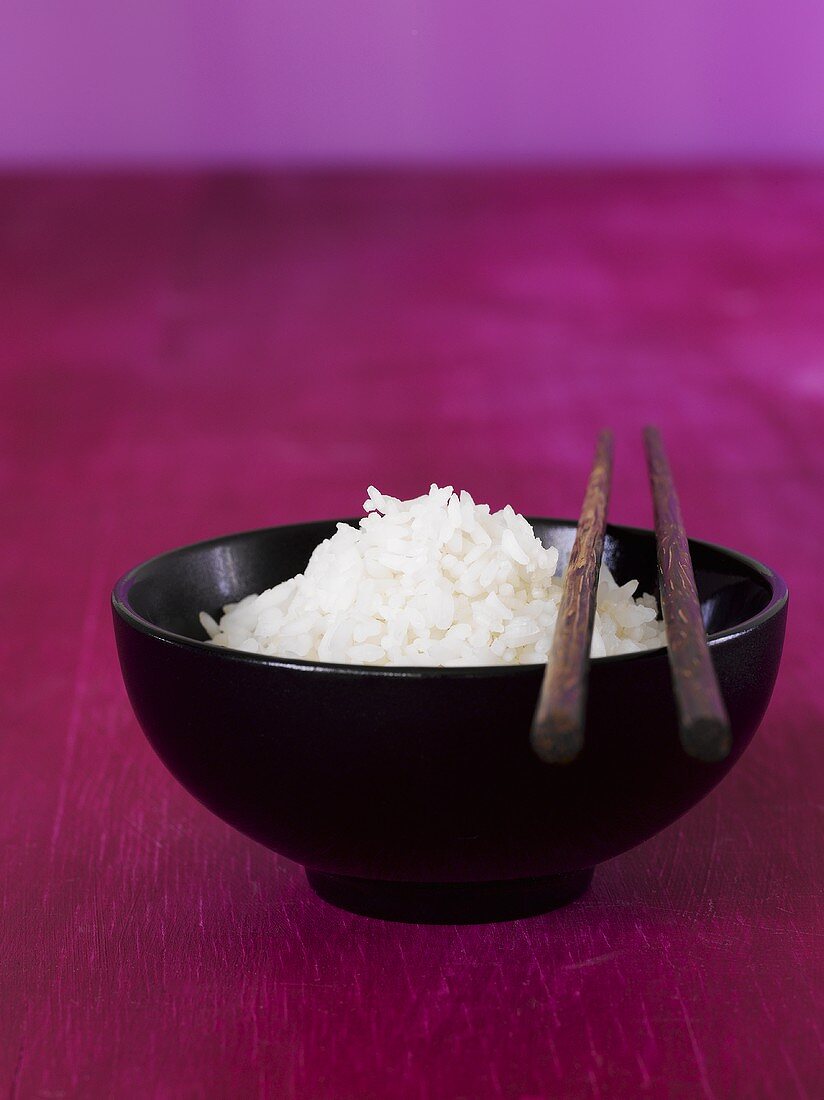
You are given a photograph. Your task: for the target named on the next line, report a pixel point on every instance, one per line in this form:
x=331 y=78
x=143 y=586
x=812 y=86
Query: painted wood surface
x=184 y=356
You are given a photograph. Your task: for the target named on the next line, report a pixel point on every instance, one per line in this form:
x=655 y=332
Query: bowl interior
x=169 y=591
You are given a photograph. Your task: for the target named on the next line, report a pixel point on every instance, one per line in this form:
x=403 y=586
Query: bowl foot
x=450 y=902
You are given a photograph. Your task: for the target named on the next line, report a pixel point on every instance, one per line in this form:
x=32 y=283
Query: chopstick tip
x=556 y=740
x=707 y=739
x=651 y=431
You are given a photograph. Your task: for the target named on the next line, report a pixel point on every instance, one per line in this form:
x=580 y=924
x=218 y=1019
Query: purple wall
x=314 y=80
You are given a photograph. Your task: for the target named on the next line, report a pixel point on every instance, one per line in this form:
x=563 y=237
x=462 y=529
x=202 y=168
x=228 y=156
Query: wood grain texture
x=184 y=356
x=558 y=726
x=704 y=726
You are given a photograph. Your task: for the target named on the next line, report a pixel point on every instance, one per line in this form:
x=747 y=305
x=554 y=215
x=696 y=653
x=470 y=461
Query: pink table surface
x=184 y=356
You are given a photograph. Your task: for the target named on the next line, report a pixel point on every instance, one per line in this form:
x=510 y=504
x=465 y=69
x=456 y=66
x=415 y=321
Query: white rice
x=438 y=580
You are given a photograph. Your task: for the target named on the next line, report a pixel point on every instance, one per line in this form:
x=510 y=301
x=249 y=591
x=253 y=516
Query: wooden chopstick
x=558 y=725
x=704 y=726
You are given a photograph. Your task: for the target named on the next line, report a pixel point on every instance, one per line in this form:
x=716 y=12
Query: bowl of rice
x=357 y=696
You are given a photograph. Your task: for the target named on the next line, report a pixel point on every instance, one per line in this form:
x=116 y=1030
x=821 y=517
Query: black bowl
x=413 y=793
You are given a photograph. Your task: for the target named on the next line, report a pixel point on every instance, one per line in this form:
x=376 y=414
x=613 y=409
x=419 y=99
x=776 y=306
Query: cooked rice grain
x=438 y=580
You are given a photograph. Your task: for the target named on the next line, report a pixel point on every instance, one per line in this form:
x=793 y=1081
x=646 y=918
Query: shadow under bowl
x=413 y=793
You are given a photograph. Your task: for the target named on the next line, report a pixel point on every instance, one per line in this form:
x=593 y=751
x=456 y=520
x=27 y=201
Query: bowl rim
x=779 y=594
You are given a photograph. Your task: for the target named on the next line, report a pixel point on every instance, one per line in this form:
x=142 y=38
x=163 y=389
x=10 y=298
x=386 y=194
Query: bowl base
x=450 y=902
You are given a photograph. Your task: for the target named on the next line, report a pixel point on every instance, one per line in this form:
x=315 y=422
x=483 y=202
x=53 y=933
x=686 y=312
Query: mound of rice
x=439 y=580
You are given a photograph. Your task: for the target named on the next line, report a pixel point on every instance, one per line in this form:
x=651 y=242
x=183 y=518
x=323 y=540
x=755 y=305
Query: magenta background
x=373 y=80
x=188 y=355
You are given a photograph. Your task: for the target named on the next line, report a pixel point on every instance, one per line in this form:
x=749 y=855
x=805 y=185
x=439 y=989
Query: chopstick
x=557 y=734
x=704 y=726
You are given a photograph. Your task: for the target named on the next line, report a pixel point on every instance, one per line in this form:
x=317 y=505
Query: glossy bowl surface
x=413 y=793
